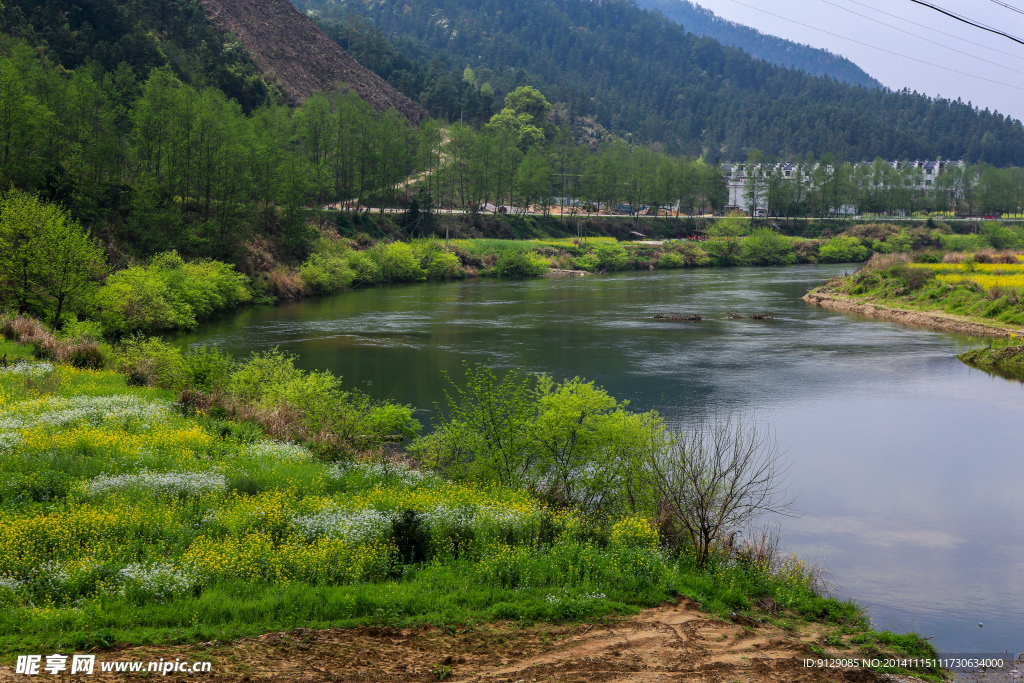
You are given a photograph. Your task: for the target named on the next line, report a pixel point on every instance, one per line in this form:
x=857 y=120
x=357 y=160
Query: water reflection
x=906 y=462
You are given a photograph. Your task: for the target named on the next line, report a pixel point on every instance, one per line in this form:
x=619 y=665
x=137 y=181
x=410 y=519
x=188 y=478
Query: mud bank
x=947 y=322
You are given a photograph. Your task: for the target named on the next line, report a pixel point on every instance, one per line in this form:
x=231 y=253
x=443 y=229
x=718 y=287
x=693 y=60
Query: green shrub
x=571 y=440
x=151 y=362
x=843 y=250
x=207 y=368
x=168 y=294
x=671 y=260
x=765 y=247
x=138 y=300
x=1002 y=237
x=730 y=226
x=610 y=256
x=397 y=262
x=438 y=263
x=325 y=274
x=336 y=422
x=725 y=251
x=364 y=268
x=518 y=264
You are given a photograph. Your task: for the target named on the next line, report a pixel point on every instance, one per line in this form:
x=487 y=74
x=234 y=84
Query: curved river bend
x=907 y=464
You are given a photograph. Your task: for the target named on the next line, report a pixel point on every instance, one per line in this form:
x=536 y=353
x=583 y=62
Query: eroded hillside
x=292 y=51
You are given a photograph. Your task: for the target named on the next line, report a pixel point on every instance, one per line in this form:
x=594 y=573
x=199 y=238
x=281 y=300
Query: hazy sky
x=1005 y=58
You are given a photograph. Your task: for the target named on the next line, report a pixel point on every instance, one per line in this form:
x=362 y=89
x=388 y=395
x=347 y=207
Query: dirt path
x=948 y=322
x=674 y=643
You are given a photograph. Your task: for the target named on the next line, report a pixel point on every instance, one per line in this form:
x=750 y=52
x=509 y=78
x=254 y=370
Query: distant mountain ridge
x=815 y=61
x=646 y=79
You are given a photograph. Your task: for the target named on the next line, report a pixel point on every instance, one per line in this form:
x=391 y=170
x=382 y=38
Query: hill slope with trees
x=255 y=53
x=641 y=75
x=815 y=61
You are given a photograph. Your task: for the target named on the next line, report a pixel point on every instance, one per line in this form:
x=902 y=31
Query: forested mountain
x=815 y=61
x=293 y=51
x=140 y=36
x=647 y=79
x=255 y=52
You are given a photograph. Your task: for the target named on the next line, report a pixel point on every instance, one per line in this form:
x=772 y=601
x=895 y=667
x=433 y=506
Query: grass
x=14 y=352
x=1002 y=357
x=124 y=520
x=986 y=292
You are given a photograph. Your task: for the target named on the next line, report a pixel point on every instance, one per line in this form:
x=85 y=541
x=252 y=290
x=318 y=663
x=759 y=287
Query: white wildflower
x=28 y=369
x=354 y=526
x=157 y=581
x=168 y=483
x=8 y=441
x=277 y=451
x=383 y=472
x=7 y=583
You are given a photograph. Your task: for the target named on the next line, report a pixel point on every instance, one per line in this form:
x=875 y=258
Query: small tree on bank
x=48 y=262
x=716 y=478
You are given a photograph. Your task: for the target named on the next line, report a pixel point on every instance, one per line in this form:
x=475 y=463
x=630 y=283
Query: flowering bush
x=634 y=532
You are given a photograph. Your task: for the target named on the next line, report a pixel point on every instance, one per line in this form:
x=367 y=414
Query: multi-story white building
x=737 y=176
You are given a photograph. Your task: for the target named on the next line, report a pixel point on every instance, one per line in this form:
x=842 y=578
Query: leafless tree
x=716 y=477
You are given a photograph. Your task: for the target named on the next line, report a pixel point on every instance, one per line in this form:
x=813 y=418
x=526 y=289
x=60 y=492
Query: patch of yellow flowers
x=986 y=275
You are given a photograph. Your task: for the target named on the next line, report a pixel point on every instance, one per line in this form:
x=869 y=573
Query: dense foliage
x=815 y=61
x=130 y=37
x=204 y=518
x=638 y=73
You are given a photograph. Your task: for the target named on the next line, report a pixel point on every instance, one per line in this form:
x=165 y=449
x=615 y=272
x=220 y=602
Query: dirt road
x=674 y=643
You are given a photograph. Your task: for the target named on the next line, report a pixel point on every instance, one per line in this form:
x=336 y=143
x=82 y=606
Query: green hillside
x=642 y=75
x=141 y=36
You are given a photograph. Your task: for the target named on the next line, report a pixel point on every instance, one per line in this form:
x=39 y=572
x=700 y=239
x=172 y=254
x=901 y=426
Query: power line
x=1018 y=10
x=929 y=28
x=882 y=49
x=928 y=40
x=970 y=22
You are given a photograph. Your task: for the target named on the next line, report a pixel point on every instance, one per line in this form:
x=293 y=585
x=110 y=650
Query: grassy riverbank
x=979 y=294
x=1004 y=359
x=171 y=498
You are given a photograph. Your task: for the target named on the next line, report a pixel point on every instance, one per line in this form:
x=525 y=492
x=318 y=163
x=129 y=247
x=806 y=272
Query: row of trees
x=829 y=188
x=161 y=164
x=150 y=166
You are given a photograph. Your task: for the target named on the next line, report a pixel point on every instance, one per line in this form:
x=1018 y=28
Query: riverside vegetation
x=51 y=267
x=154 y=496
x=986 y=286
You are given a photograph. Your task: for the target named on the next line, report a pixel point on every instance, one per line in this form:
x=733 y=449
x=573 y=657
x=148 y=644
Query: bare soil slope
x=674 y=643
x=292 y=50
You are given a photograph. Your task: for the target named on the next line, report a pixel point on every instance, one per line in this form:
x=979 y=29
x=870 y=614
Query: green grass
x=87 y=561
x=918 y=289
x=1004 y=358
x=14 y=352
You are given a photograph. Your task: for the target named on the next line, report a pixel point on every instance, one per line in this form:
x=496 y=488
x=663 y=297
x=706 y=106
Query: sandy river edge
x=948 y=322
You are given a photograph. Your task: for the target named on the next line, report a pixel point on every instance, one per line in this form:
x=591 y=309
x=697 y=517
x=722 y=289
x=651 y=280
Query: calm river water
x=906 y=464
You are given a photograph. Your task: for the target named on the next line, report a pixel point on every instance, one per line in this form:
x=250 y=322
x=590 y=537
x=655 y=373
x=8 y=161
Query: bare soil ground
x=674 y=643
x=292 y=50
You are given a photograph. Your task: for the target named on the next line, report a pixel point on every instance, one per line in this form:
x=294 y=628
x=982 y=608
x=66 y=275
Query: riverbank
x=939 y=320
x=977 y=295
x=673 y=640
x=149 y=526
x=1004 y=360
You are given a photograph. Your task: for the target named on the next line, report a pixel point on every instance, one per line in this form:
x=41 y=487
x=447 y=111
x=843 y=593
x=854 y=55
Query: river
x=906 y=464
